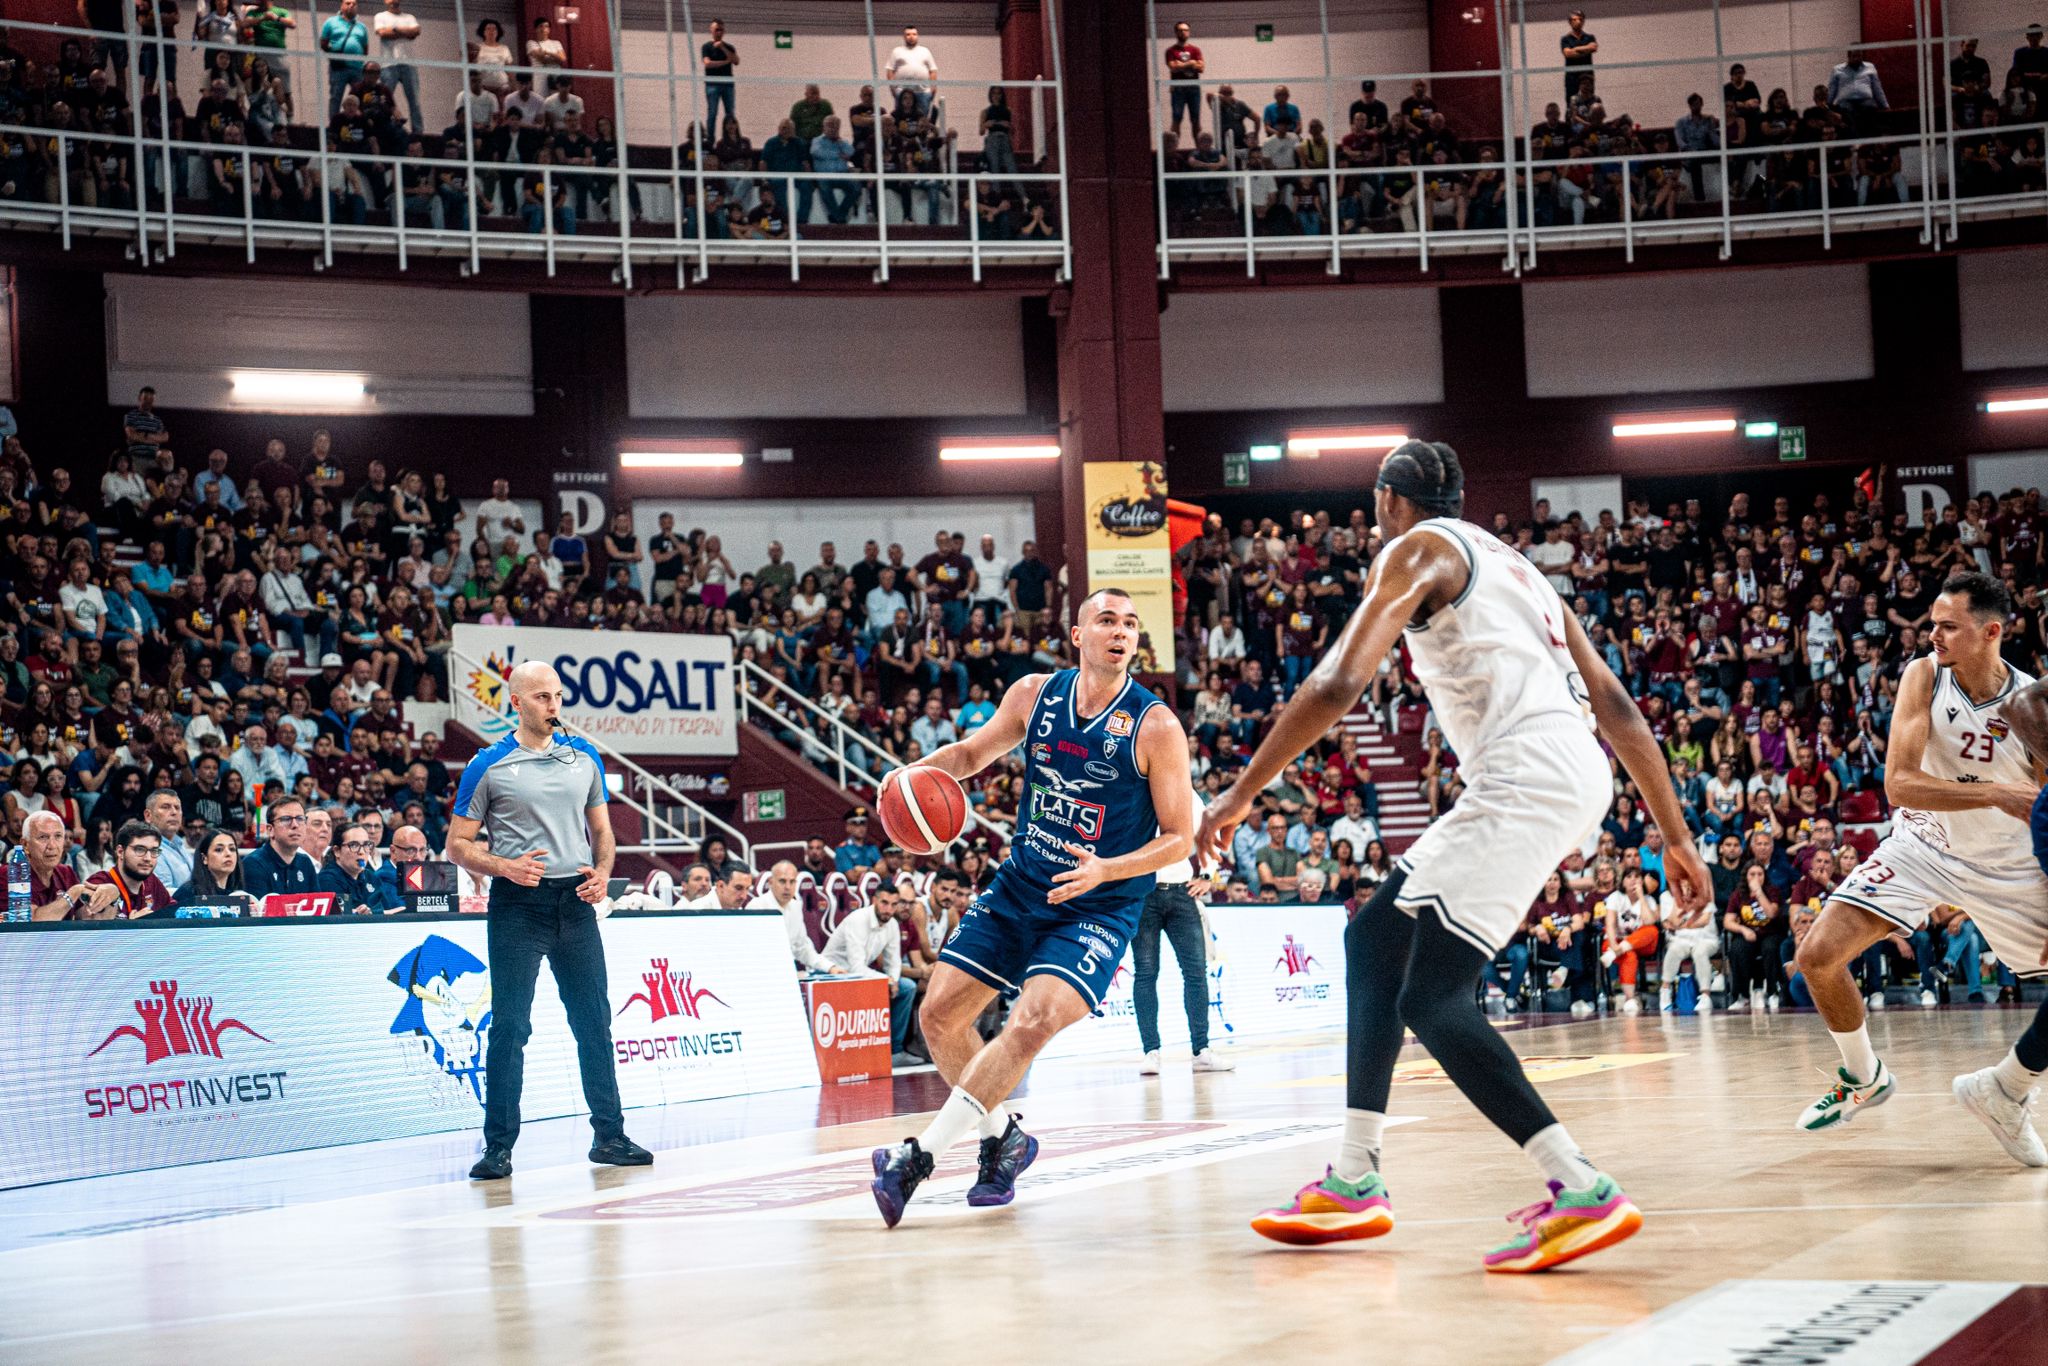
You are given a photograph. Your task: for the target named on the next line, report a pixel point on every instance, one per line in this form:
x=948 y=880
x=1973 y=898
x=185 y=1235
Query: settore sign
x=639 y=693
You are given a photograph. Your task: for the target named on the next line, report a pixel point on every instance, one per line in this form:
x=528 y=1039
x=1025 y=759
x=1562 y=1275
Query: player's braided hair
x=1428 y=474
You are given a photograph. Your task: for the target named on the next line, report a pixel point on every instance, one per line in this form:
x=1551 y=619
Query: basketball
x=923 y=808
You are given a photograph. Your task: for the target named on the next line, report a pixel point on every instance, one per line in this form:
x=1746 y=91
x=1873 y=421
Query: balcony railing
x=654 y=208
x=1916 y=172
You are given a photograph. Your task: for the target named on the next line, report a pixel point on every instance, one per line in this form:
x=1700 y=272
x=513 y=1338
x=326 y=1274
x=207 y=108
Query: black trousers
x=527 y=925
x=1169 y=908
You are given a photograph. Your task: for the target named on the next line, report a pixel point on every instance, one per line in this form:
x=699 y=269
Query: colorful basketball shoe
x=1565 y=1227
x=1330 y=1211
x=1003 y=1160
x=899 y=1171
x=1847 y=1098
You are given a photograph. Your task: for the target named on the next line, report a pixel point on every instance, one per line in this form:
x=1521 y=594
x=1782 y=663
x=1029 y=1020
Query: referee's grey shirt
x=529 y=799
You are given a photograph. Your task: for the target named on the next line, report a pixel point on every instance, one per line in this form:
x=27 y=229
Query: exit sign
x=768 y=805
x=1237 y=469
x=785 y=39
x=1791 y=443
x=1263 y=32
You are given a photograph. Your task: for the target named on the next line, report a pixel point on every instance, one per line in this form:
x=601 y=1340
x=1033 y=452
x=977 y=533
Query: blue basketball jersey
x=1082 y=786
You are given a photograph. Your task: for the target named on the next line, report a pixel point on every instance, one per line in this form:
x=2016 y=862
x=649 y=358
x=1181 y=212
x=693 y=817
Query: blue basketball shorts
x=1009 y=934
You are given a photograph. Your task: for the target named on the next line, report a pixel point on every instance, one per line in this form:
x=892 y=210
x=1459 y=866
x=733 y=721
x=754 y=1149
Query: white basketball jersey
x=1974 y=744
x=1496 y=657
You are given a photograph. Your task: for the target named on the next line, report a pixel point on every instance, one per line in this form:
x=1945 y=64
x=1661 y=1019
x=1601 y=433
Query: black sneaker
x=621 y=1152
x=899 y=1171
x=494 y=1165
x=1003 y=1160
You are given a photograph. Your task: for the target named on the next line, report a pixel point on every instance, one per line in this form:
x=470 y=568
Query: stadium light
x=674 y=458
x=1690 y=426
x=1309 y=445
x=998 y=448
x=2031 y=403
x=1753 y=430
x=297 y=389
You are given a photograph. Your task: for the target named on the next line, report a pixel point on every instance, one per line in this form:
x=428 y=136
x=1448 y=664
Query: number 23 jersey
x=1974 y=744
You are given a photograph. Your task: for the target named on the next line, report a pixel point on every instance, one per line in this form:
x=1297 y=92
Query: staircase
x=1396 y=761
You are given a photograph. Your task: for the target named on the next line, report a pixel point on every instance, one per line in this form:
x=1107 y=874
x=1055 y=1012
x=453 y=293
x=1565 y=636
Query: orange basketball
x=923 y=808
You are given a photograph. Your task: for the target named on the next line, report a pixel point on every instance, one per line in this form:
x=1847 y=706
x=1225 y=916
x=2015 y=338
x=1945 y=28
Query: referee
x=538 y=795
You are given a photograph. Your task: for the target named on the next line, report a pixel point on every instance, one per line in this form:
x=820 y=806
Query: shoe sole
x=646 y=1161
x=1620 y=1225
x=1841 y=1115
x=1214 y=1067
x=475 y=1175
x=1313 y=1230
x=1003 y=1195
x=1966 y=1097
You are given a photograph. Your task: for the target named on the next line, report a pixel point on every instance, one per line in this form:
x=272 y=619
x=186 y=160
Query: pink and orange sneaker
x=1330 y=1211
x=1565 y=1227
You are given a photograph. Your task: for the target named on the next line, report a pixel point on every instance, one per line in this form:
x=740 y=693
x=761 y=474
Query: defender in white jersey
x=1516 y=686
x=1962 y=783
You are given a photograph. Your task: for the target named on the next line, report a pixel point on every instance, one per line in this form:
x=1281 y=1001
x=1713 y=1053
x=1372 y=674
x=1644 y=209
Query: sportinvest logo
x=669 y=993
x=1296 y=961
x=175 y=1026
x=672 y=995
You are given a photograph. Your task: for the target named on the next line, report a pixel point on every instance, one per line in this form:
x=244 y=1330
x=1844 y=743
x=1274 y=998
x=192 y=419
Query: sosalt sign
x=640 y=693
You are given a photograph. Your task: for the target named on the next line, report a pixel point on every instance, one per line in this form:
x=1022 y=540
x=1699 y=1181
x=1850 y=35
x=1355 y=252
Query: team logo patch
x=1095 y=768
x=1119 y=722
x=1996 y=728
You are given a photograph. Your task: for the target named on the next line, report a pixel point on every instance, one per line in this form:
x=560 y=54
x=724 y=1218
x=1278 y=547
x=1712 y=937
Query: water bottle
x=18 y=902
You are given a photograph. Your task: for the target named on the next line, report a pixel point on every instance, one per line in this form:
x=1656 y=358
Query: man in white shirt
x=868 y=935
x=558 y=106
x=1354 y=825
x=85 y=607
x=934 y=728
x=497 y=516
x=696 y=893
x=1553 y=556
x=483 y=116
x=1225 y=641
x=884 y=601
x=522 y=101
x=780 y=895
x=990 y=573
x=913 y=62
x=396 y=32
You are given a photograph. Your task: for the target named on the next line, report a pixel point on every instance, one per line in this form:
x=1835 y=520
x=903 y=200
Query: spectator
x=911 y=61
x=1632 y=917
x=55 y=892
x=1184 y=68
x=279 y=865
x=867 y=943
x=356 y=888
x=138 y=891
x=779 y=894
x=344 y=36
x=216 y=870
x=397 y=31
x=2030 y=64
x=1856 y=92
x=1578 y=47
x=855 y=851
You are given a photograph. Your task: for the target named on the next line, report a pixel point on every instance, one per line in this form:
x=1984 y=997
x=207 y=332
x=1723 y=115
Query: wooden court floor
x=752 y=1238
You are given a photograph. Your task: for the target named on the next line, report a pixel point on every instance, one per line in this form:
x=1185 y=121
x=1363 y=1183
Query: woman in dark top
x=216 y=868
x=444 y=509
x=234 y=801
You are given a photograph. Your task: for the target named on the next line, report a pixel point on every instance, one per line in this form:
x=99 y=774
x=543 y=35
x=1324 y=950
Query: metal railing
x=1508 y=202
x=850 y=756
x=141 y=183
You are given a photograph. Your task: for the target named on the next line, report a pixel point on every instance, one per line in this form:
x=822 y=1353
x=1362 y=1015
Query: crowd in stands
x=1411 y=163
x=195 y=639
x=539 y=156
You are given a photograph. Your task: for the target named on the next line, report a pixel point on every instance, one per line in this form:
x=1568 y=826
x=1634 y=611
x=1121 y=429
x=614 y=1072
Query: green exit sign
x=1263 y=32
x=1237 y=469
x=768 y=805
x=785 y=39
x=1791 y=443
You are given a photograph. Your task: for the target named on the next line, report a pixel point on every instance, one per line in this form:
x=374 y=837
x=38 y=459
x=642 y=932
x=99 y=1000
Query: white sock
x=2015 y=1078
x=1360 y=1155
x=955 y=1118
x=1552 y=1150
x=1859 y=1059
x=992 y=1124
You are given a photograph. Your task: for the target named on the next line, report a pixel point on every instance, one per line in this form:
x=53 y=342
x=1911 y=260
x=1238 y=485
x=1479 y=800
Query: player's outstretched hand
x=1691 y=884
x=1086 y=875
x=1219 y=819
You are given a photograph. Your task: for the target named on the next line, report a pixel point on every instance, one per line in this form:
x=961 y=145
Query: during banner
x=1129 y=547
x=124 y=1049
x=639 y=693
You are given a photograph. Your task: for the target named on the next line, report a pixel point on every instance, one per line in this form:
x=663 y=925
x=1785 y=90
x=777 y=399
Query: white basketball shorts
x=1905 y=877
x=1530 y=798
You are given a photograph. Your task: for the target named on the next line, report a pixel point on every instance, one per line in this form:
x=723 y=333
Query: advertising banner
x=134 y=1048
x=1271 y=970
x=639 y=693
x=850 y=1027
x=1130 y=547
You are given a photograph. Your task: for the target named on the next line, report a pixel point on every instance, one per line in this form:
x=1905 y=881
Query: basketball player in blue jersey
x=1518 y=689
x=1109 y=802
